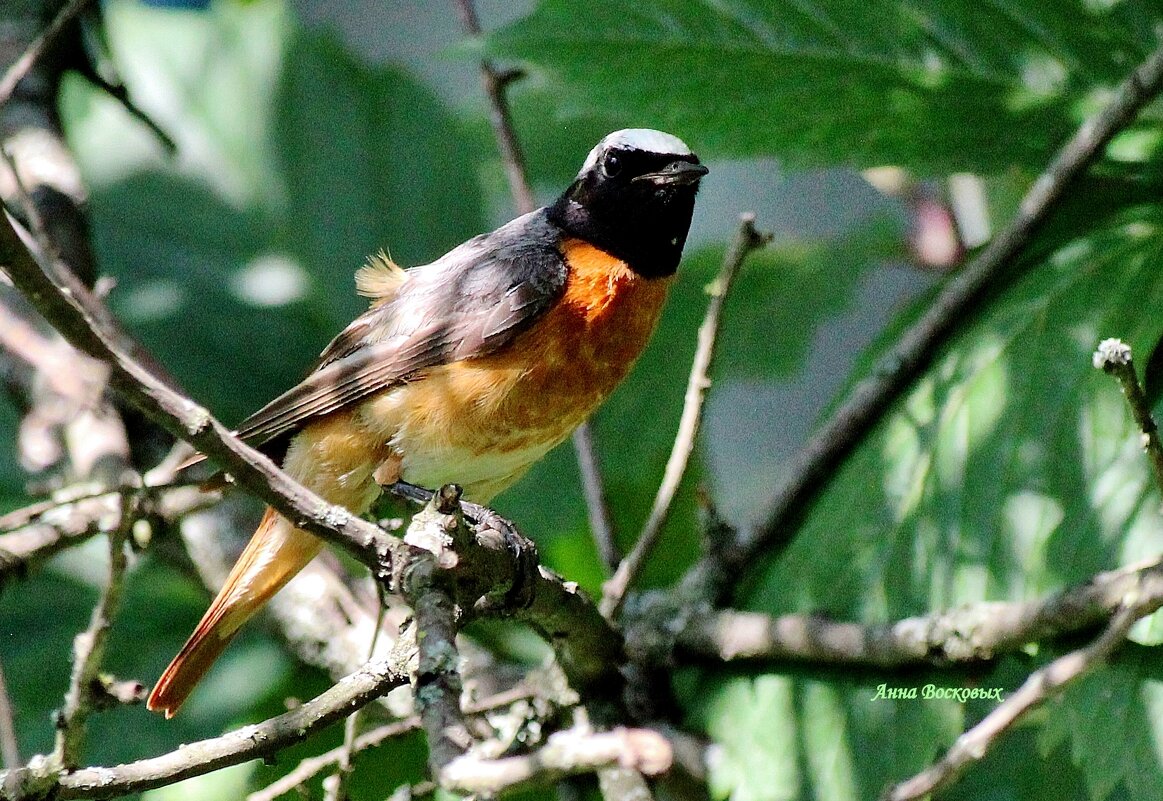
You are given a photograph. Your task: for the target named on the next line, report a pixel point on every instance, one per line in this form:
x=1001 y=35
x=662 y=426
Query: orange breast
x=482 y=422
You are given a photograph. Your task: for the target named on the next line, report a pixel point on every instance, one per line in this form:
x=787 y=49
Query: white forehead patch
x=645 y=139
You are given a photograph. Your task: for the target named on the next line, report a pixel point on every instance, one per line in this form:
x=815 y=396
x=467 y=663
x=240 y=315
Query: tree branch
x=312 y=766
x=566 y=753
x=972 y=746
x=747 y=239
x=9 y=747
x=89 y=649
x=968 y=634
x=35 y=533
x=493 y=84
x=440 y=529
x=21 y=67
x=241 y=745
x=811 y=468
x=590 y=650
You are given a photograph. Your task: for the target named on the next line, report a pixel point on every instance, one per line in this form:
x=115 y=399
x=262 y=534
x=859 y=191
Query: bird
x=468 y=369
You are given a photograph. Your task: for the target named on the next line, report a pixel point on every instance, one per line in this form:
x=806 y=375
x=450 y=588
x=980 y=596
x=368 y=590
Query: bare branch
x=21 y=67
x=968 y=634
x=312 y=766
x=566 y=753
x=440 y=529
x=867 y=402
x=597 y=508
x=494 y=84
x=31 y=535
x=241 y=745
x=747 y=239
x=972 y=746
x=89 y=649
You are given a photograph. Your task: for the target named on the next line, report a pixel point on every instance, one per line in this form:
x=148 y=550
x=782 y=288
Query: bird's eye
x=611 y=165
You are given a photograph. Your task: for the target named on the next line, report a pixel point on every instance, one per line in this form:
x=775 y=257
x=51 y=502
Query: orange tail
x=276 y=552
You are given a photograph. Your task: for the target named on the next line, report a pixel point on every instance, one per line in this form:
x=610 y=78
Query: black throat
x=646 y=229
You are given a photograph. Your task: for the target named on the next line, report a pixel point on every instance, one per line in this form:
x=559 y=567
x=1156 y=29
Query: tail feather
x=276 y=552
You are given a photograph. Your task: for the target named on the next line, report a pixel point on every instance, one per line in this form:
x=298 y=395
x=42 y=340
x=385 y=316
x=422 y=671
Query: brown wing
x=468 y=303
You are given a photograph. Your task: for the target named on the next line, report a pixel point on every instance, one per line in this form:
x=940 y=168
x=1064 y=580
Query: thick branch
x=809 y=471
x=747 y=239
x=972 y=633
x=439 y=529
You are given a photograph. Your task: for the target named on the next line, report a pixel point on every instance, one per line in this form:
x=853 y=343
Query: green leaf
x=938 y=87
x=788 y=737
x=1113 y=721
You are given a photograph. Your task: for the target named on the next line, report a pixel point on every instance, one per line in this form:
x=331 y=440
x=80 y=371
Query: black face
x=634 y=204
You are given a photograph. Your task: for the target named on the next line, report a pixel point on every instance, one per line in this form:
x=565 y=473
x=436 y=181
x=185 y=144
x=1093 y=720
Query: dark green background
x=1010 y=469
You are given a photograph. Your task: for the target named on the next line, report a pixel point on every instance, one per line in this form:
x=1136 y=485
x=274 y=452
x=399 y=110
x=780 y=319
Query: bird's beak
x=677 y=173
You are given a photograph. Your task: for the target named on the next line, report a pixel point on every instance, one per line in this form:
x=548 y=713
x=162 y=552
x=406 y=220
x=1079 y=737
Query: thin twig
x=313 y=766
x=747 y=239
x=500 y=118
x=89 y=648
x=972 y=746
x=494 y=84
x=338 y=788
x=47 y=528
x=809 y=471
x=21 y=67
x=1114 y=356
x=597 y=507
x=9 y=747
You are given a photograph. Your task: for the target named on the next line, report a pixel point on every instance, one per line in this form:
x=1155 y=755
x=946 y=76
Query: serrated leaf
x=937 y=88
x=1012 y=467
x=1112 y=721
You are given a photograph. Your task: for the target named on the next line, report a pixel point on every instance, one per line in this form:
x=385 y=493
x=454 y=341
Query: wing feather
x=467 y=304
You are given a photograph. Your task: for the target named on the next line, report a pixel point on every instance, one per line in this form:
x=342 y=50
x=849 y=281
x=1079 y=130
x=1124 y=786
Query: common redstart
x=468 y=369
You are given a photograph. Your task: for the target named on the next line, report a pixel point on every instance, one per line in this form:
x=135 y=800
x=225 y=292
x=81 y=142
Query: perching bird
x=468 y=369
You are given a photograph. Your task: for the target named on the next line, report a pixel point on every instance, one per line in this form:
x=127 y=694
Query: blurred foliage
x=1009 y=470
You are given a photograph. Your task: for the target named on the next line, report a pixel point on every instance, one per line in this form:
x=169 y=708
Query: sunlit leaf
x=938 y=87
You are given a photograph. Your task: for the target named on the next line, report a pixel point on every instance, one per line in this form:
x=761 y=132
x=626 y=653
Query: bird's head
x=634 y=198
